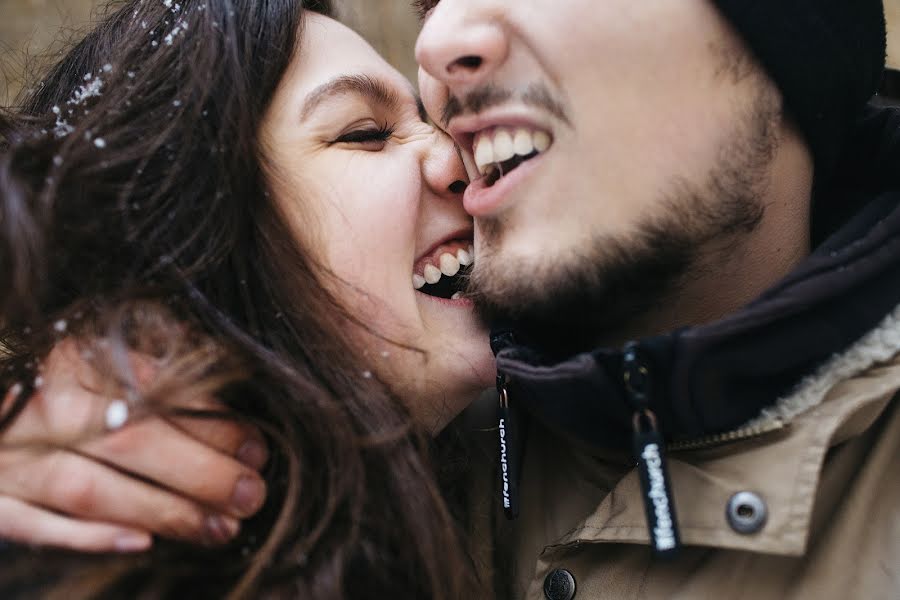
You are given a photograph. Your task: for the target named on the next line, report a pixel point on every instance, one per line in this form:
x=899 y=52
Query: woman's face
x=362 y=175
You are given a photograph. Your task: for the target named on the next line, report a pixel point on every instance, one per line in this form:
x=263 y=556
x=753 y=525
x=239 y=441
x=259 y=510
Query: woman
x=248 y=197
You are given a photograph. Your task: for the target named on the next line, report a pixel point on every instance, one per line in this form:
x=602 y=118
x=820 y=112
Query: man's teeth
x=503 y=146
x=523 y=143
x=484 y=153
x=504 y=143
x=418 y=281
x=456 y=296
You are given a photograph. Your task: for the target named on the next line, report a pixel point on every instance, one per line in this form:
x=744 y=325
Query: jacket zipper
x=649 y=449
x=736 y=435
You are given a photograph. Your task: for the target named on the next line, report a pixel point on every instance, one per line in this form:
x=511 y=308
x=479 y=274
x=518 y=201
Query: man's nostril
x=469 y=63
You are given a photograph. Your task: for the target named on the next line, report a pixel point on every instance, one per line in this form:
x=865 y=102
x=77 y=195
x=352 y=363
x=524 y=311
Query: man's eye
x=362 y=136
x=424 y=6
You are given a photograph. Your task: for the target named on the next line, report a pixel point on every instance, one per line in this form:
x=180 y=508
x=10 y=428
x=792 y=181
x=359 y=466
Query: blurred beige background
x=892 y=8
x=29 y=27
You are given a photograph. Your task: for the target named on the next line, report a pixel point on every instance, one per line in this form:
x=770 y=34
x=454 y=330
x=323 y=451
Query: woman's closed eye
x=371 y=138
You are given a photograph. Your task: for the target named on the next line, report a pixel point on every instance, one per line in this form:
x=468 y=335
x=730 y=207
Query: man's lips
x=464 y=129
x=482 y=200
x=496 y=143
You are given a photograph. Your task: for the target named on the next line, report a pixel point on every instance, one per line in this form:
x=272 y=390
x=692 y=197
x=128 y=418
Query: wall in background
x=892 y=8
x=27 y=29
x=30 y=26
x=389 y=25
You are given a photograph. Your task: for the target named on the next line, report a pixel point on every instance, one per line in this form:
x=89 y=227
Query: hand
x=184 y=478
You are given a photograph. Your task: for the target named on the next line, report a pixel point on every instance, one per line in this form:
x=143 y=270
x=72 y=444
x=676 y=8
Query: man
x=688 y=234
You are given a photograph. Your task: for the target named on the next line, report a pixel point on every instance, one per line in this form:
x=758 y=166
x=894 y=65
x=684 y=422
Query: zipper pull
x=649 y=451
x=509 y=456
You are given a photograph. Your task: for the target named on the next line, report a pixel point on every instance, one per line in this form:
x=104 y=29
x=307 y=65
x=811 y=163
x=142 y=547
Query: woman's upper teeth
x=500 y=144
x=432 y=274
x=448 y=264
x=465 y=257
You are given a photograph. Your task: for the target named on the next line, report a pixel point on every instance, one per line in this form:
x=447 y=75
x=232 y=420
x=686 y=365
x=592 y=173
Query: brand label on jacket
x=656 y=489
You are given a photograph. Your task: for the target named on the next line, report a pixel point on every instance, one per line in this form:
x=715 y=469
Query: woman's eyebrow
x=423 y=6
x=361 y=85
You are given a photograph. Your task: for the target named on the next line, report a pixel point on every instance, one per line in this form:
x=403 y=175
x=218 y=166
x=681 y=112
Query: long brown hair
x=133 y=184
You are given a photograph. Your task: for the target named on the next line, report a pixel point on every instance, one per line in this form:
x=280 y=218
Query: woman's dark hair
x=133 y=193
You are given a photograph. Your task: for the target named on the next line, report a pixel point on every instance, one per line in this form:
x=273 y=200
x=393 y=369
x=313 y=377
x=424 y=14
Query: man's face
x=638 y=122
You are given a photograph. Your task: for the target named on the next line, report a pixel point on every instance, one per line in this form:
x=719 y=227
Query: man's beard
x=567 y=304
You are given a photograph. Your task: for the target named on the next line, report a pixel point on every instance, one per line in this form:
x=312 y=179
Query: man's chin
x=566 y=305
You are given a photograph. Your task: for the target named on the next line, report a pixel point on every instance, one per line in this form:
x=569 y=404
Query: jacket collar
x=784 y=468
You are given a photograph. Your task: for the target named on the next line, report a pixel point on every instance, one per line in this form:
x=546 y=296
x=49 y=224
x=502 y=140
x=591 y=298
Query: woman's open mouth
x=444 y=272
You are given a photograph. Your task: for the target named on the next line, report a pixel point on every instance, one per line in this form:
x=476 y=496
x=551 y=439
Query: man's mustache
x=536 y=95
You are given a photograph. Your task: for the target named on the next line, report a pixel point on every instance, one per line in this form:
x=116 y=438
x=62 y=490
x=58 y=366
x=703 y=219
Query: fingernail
x=253 y=453
x=221 y=529
x=248 y=495
x=131 y=541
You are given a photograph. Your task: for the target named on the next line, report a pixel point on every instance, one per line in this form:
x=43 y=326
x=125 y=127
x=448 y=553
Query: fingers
x=240 y=440
x=194 y=477
x=64 y=411
x=23 y=523
x=80 y=487
x=156 y=450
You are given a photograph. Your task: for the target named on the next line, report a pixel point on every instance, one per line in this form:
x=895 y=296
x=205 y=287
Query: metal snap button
x=559 y=585
x=746 y=512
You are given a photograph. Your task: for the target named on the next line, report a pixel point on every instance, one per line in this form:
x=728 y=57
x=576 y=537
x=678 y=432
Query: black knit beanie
x=826 y=56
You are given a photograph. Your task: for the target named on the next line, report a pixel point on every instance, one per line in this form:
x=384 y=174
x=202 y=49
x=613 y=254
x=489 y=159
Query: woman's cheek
x=391 y=194
x=370 y=216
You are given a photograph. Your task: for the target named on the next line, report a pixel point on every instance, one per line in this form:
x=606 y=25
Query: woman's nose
x=443 y=168
x=458 y=48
